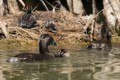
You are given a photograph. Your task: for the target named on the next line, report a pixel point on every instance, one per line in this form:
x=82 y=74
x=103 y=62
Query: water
x=82 y=65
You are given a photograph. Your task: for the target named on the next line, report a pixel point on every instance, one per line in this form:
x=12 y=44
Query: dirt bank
x=69 y=30
x=69 y=26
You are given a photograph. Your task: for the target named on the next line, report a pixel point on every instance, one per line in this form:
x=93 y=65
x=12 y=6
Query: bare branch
x=23 y=4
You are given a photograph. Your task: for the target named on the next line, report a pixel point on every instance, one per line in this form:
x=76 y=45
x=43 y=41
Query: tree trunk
x=112 y=13
x=76 y=6
x=111 y=10
x=3 y=7
x=8 y=6
x=69 y=2
x=13 y=6
x=3 y=27
x=94 y=20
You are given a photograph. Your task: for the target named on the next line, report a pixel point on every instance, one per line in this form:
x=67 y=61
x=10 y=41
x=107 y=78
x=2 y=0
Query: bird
x=27 y=20
x=45 y=41
x=50 y=26
x=62 y=53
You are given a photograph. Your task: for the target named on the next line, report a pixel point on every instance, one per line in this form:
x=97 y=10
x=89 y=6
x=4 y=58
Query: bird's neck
x=43 y=49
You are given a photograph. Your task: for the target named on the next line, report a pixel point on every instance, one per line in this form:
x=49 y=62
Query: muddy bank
x=66 y=26
x=9 y=44
x=69 y=26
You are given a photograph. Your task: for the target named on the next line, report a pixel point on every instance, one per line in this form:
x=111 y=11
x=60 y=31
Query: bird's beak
x=54 y=43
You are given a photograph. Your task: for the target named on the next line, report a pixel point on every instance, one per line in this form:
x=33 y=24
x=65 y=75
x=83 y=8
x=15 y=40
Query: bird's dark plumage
x=27 y=20
x=44 y=41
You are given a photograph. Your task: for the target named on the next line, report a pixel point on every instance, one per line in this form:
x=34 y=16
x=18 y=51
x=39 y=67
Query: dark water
x=81 y=65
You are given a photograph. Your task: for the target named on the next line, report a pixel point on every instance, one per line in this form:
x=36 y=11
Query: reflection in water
x=82 y=65
x=109 y=71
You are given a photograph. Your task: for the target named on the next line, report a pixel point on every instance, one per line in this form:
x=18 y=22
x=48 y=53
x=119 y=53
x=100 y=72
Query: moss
x=25 y=43
x=115 y=39
x=16 y=43
x=71 y=45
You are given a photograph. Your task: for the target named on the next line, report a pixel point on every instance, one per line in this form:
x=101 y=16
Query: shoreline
x=7 y=44
x=67 y=26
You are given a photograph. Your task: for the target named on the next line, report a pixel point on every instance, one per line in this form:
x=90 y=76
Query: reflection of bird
x=44 y=42
x=99 y=45
x=109 y=69
x=27 y=20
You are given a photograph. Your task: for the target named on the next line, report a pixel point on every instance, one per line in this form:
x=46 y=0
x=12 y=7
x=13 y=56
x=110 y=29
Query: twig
x=60 y=38
x=51 y=5
x=35 y=7
x=23 y=4
x=44 y=5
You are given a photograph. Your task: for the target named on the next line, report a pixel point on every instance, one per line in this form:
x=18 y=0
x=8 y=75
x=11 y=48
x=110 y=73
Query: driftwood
x=30 y=34
x=3 y=26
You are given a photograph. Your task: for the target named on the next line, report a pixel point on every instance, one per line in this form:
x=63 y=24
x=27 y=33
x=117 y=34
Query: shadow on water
x=82 y=65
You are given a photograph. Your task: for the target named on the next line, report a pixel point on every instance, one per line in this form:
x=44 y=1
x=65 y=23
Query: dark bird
x=57 y=4
x=27 y=20
x=44 y=41
x=50 y=25
x=105 y=39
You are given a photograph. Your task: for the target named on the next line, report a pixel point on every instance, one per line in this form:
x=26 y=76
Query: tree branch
x=23 y=4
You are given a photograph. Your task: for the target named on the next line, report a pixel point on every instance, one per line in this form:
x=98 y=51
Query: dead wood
x=3 y=26
x=31 y=34
x=23 y=4
x=94 y=20
x=44 y=5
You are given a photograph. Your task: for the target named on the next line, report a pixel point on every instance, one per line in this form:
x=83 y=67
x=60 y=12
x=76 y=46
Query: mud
x=69 y=35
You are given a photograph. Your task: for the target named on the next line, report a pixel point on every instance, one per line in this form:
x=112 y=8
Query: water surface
x=81 y=65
